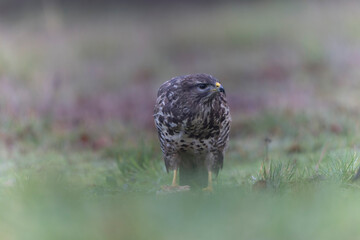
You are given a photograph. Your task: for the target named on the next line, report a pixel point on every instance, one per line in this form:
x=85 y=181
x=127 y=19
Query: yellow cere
x=217 y=84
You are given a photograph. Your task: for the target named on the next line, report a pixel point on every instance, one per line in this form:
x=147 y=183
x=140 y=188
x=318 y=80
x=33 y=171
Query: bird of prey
x=193 y=122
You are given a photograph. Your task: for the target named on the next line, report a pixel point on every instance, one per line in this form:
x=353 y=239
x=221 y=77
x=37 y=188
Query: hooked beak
x=219 y=88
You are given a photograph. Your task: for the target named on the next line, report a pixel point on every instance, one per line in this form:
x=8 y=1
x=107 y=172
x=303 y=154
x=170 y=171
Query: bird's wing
x=224 y=129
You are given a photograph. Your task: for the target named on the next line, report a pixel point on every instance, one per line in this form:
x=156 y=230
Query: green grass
x=52 y=192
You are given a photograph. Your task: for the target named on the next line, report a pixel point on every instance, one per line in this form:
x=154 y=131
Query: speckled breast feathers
x=193 y=120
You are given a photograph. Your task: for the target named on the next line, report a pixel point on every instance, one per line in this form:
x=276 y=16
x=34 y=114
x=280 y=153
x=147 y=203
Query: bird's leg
x=209 y=188
x=174 y=184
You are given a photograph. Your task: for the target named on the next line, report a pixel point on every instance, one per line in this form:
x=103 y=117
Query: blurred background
x=79 y=154
x=91 y=61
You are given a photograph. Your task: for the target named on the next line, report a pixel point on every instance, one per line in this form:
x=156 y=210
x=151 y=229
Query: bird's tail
x=193 y=176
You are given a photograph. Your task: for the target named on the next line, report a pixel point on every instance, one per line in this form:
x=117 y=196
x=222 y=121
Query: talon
x=167 y=188
x=174 y=187
x=208 y=189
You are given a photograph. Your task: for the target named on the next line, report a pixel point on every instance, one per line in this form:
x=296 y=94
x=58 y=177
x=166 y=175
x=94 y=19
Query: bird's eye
x=202 y=86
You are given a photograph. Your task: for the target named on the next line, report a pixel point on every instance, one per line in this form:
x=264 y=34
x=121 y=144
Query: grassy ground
x=79 y=155
x=56 y=189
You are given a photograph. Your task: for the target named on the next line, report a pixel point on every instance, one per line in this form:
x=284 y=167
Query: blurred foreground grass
x=319 y=211
x=52 y=191
x=79 y=157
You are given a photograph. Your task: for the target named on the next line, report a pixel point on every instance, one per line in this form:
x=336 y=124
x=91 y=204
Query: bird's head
x=202 y=87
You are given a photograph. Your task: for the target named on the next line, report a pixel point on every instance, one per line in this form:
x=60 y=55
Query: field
x=79 y=154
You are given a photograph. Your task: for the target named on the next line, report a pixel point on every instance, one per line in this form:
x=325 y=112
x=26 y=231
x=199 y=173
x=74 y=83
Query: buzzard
x=193 y=122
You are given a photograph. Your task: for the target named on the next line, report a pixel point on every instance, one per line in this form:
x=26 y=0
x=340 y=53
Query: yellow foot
x=175 y=188
x=208 y=189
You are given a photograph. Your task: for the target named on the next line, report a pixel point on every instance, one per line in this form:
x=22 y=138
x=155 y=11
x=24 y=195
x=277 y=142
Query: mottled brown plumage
x=193 y=121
